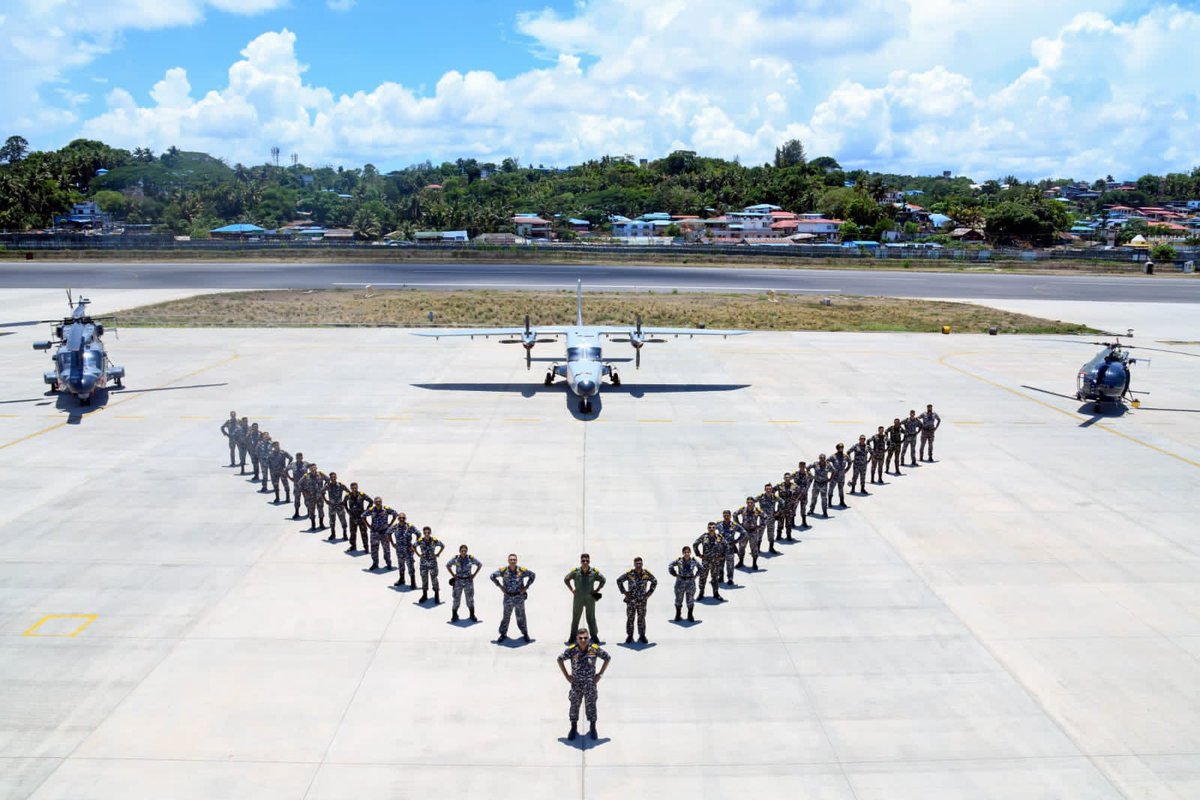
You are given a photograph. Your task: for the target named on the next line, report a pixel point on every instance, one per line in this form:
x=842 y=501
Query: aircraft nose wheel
x=549 y=379
x=616 y=379
x=585 y=405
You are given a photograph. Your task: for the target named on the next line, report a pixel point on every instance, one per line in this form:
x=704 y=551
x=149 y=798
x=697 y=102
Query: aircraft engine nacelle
x=116 y=374
x=41 y=345
x=50 y=378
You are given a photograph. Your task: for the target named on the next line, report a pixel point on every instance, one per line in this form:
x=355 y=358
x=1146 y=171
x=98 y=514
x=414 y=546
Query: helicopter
x=81 y=365
x=1106 y=377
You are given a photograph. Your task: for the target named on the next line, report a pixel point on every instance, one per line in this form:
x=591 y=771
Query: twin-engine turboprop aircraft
x=585 y=365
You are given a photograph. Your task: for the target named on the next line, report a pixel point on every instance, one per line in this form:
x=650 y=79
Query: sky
x=986 y=88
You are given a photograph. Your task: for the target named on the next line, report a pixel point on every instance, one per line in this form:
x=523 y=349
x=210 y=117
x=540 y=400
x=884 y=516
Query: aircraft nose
x=586 y=387
x=83 y=384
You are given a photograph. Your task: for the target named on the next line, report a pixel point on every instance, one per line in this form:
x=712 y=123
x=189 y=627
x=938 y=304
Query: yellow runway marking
x=87 y=619
x=1070 y=414
x=8 y=416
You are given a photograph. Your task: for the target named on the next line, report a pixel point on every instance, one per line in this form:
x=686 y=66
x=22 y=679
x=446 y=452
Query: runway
x=980 y=285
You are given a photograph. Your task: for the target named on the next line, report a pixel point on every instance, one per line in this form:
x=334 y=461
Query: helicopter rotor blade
x=1160 y=350
x=26 y=322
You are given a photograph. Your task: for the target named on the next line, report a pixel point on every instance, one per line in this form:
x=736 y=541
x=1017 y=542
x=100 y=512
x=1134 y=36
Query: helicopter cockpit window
x=65 y=359
x=91 y=360
x=583 y=353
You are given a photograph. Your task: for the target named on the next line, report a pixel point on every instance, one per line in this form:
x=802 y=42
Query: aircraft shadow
x=76 y=411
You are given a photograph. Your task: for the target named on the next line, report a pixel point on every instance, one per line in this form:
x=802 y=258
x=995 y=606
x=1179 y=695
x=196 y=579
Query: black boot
x=397 y=583
x=502 y=638
x=454 y=616
x=742 y=561
x=592 y=731
x=691 y=617
x=717 y=596
x=412 y=584
x=629 y=638
x=437 y=598
x=473 y=617
x=643 y=640
x=572 y=733
x=374 y=565
x=424 y=597
x=525 y=638
x=755 y=567
x=678 y=613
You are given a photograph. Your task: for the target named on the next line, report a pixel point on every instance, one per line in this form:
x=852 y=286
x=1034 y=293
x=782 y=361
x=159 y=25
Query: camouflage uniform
x=464 y=580
x=750 y=518
x=859 y=452
x=803 y=483
x=878 y=444
x=278 y=461
x=253 y=437
x=930 y=422
x=767 y=503
x=299 y=470
x=335 y=495
x=637 y=590
x=911 y=426
x=402 y=536
x=313 y=487
x=839 y=464
x=229 y=429
x=685 y=570
x=427 y=549
x=733 y=535
x=240 y=438
x=711 y=549
x=583 y=679
x=356 y=505
x=264 y=460
x=515 y=585
x=785 y=511
x=895 y=435
x=821 y=473
x=379 y=519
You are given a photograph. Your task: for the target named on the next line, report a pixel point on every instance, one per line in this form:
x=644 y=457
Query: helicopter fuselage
x=1105 y=378
x=81 y=365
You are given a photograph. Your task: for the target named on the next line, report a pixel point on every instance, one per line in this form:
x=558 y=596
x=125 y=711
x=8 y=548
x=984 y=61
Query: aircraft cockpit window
x=91 y=360
x=583 y=354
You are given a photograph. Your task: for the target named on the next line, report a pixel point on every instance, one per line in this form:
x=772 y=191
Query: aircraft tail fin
x=579 y=303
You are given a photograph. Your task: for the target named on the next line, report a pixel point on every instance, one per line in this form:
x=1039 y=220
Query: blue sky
x=1073 y=88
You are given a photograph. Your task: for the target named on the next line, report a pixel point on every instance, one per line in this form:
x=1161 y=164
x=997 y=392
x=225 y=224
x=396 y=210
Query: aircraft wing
x=516 y=331
x=625 y=331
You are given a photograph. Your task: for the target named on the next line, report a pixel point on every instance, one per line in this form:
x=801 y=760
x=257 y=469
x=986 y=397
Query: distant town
x=89 y=189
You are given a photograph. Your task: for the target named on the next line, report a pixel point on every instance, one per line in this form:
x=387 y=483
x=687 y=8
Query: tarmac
x=1019 y=619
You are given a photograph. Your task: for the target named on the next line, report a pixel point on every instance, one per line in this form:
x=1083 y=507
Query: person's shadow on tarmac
x=583 y=742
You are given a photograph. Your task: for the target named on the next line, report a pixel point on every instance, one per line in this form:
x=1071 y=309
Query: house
x=86 y=215
x=500 y=239
x=647 y=225
x=337 y=235
x=531 y=226
x=822 y=229
x=239 y=230
x=440 y=237
x=579 y=225
x=967 y=235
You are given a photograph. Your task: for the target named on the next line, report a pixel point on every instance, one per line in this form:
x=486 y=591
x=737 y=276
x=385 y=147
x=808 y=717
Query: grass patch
x=410 y=308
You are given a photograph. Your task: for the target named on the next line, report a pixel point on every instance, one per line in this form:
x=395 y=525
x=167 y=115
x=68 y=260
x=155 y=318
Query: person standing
x=252 y=443
x=264 y=460
x=585 y=583
x=241 y=438
x=821 y=473
x=839 y=464
x=313 y=487
x=710 y=547
x=335 y=496
x=930 y=422
x=767 y=503
x=803 y=483
x=785 y=512
x=895 y=437
x=403 y=536
x=732 y=535
x=750 y=518
x=878 y=444
x=684 y=570
x=636 y=585
x=912 y=427
x=859 y=454
x=428 y=549
x=583 y=679
x=380 y=517
x=229 y=429
x=279 y=460
x=463 y=568
x=514 y=581
x=299 y=470
x=356 y=505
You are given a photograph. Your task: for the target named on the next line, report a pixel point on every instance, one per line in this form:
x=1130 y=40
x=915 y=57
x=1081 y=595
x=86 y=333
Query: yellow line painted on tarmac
x=1070 y=414
x=133 y=396
x=87 y=619
x=8 y=416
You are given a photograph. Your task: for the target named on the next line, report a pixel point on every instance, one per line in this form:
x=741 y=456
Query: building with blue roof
x=238 y=230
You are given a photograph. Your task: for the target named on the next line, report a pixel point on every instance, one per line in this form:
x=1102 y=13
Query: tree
x=850 y=231
x=14 y=149
x=824 y=164
x=1163 y=253
x=790 y=154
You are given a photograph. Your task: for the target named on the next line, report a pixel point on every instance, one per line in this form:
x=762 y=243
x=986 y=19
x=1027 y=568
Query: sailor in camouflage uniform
x=768 y=501
x=684 y=570
x=839 y=464
x=803 y=483
x=859 y=453
x=403 y=536
x=750 y=518
x=895 y=436
x=636 y=585
x=878 y=444
x=229 y=429
x=710 y=546
x=514 y=581
x=278 y=461
x=264 y=460
x=379 y=517
x=462 y=568
x=241 y=437
x=821 y=474
x=299 y=469
x=930 y=422
x=428 y=549
x=252 y=439
x=335 y=496
x=786 y=509
x=733 y=534
x=583 y=678
x=912 y=427
x=312 y=485
x=356 y=505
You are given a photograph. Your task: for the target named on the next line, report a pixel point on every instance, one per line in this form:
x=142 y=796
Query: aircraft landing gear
x=549 y=379
x=616 y=379
x=585 y=405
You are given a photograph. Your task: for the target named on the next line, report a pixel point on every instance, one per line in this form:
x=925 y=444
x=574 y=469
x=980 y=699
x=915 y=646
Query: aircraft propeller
x=528 y=338
x=637 y=339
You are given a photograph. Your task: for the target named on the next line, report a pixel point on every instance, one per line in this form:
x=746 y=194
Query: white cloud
x=1035 y=89
x=340 y=5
